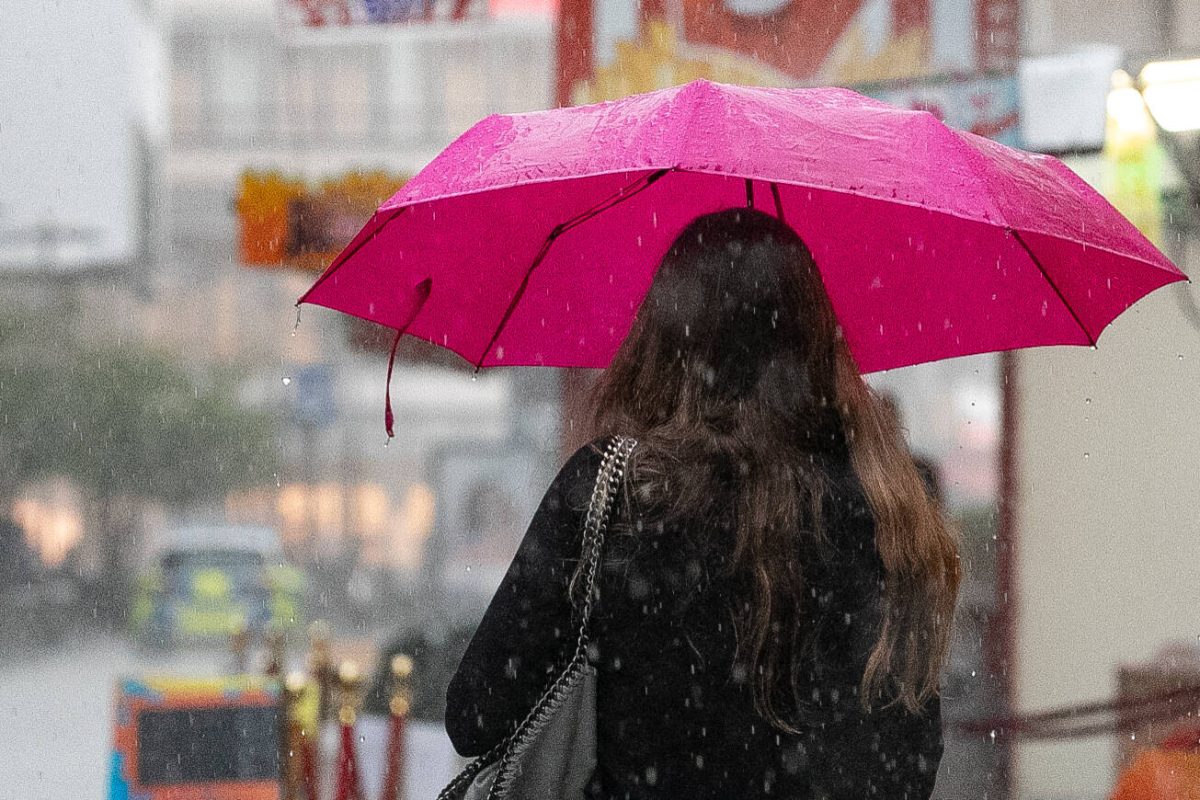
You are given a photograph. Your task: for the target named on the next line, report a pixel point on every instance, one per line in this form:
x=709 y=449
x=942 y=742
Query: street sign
x=312 y=396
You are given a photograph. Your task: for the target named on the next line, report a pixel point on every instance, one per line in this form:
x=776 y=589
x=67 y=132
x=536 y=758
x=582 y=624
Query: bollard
x=320 y=665
x=299 y=771
x=239 y=645
x=349 y=683
x=399 y=706
x=291 y=755
x=276 y=653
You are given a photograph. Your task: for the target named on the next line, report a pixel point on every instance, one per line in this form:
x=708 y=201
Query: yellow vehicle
x=209 y=582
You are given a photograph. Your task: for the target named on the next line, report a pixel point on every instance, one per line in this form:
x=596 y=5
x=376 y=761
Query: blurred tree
x=128 y=425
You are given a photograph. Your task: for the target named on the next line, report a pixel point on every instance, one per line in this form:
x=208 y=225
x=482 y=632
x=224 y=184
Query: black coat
x=675 y=718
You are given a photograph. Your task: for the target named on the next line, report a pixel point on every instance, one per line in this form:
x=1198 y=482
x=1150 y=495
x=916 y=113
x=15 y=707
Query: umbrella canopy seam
x=799 y=184
x=349 y=252
x=1037 y=262
x=626 y=192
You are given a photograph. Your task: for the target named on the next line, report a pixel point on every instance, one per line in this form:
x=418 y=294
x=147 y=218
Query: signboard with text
x=612 y=48
x=285 y=221
x=986 y=105
x=342 y=13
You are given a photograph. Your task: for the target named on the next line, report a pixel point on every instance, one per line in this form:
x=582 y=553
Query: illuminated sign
x=284 y=221
x=189 y=739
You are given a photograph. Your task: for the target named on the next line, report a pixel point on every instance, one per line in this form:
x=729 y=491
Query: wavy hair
x=733 y=373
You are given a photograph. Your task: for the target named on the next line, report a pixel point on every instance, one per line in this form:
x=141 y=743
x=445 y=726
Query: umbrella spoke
x=1037 y=262
x=351 y=249
x=778 y=202
x=621 y=195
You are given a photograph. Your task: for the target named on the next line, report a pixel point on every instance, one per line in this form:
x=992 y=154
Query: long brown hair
x=732 y=376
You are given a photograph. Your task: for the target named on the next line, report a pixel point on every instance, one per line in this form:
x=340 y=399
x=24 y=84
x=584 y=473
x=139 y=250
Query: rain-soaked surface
x=213 y=558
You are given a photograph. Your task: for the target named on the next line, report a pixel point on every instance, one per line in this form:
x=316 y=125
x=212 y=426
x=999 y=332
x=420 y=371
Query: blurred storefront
x=1106 y=439
x=290 y=122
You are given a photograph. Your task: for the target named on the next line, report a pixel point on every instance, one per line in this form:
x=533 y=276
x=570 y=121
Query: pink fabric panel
x=932 y=243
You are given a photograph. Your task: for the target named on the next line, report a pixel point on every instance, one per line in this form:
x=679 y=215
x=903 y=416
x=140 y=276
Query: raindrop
x=1087 y=401
x=287 y=381
x=992 y=735
x=1087 y=455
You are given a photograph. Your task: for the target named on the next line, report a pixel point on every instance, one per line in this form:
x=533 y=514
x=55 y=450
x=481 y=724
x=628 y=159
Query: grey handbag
x=551 y=755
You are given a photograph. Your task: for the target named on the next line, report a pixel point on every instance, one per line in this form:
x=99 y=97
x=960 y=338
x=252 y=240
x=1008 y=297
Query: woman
x=777 y=586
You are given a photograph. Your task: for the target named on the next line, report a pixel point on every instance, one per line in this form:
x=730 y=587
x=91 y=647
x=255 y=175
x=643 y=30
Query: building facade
x=1106 y=442
x=250 y=89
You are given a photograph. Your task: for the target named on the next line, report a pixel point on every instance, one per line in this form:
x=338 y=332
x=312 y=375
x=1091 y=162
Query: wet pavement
x=55 y=713
x=56 y=720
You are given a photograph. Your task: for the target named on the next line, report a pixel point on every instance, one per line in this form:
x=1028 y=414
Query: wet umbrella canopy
x=532 y=239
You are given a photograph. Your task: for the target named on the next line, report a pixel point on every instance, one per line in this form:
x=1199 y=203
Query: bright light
x=412 y=524
x=1171 y=71
x=1172 y=91
x=51 y=529
x=1128 y=112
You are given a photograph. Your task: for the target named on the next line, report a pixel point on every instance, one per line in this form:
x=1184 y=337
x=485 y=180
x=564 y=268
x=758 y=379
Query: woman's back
x=677 y=717
x=776 y=553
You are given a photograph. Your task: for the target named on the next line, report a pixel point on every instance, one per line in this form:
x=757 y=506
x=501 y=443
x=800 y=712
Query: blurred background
x=185 y=462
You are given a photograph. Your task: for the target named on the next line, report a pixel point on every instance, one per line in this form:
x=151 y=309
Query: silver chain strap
x=604 y=492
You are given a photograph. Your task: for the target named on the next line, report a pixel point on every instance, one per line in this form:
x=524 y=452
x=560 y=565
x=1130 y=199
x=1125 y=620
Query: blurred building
x=77 y=147
x=1106 y=470
x=259 y=87
x=83 y=124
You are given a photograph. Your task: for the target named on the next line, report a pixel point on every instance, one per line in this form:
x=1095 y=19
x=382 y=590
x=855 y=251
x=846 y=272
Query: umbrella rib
x=778 y=202
x=348 y=254
x=1037 y=262
x=622 y=194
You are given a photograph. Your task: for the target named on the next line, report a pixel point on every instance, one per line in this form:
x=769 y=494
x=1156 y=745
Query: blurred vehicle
x=207 y=583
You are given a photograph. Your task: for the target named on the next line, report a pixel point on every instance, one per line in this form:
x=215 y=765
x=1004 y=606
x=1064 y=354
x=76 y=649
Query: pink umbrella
x=533 y=238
